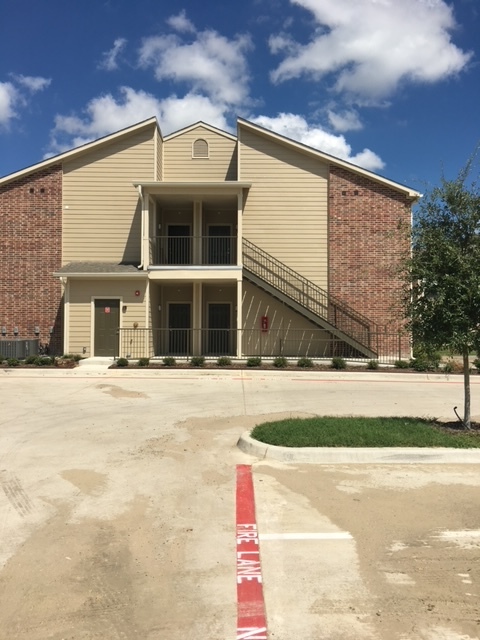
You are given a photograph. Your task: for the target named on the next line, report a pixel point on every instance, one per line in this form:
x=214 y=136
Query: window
x=200 y=149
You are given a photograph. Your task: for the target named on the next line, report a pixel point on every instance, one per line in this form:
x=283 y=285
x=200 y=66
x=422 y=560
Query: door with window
x=179 y=244
x=218 y=328
x=179 y=328
x=219 y=244
x=107 y=323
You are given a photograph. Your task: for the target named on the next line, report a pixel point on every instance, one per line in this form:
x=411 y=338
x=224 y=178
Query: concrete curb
x=338 y=455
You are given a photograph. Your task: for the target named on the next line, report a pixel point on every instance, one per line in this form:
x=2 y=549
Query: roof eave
x=103 y=275
x=59 y=158
x=410 y=193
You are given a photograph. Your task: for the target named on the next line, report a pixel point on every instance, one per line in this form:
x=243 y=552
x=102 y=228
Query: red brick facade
x=30 y=251
x=366 y=246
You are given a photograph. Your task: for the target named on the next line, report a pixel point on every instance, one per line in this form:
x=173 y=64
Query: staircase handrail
x=306 y=293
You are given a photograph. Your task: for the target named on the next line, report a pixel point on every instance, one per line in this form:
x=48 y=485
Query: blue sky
x=391 y=85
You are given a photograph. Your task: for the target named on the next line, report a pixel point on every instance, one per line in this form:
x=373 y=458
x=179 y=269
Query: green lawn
x=362 y=432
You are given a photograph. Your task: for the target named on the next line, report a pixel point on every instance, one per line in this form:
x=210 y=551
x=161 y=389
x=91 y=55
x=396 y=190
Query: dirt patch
x=87 y=481
x=421 y=582
x=118 y=392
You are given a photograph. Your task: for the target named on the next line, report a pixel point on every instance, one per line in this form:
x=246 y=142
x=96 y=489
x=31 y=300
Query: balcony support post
x=197 y=232
x=197 y=318
x=239 y=317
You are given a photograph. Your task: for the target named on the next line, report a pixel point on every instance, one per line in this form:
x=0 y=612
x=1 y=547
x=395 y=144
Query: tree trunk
x=466 y=388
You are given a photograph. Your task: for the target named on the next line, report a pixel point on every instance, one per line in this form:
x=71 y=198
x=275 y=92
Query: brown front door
x=218 y=328
x=107 y=322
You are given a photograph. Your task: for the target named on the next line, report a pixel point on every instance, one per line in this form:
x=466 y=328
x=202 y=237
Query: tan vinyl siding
x=80 y=308
x=159 y=158
x=180 y=166
x=101 y=207
x=289 y=333
x=286 y=208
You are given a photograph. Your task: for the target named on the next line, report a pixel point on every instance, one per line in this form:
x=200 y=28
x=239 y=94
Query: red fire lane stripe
x=251 y=620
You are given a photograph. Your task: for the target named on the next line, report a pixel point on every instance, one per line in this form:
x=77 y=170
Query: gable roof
x=303 y=148
x=200 y=123
x=241 y=123
x=84 y=148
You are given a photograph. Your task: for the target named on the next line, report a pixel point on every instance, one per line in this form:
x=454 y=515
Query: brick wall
x=30 y=251
x=366 y=246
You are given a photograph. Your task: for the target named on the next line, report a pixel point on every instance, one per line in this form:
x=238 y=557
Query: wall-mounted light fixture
x=36 y=330
x=124 y=308
x=4 y=331
x=15 y=331
x=51 y=330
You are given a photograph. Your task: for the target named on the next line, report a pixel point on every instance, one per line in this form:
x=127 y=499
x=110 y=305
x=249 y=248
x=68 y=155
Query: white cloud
x=374 y=45
x=296 y=127
x=13 y=96
x=33 y=83
x=106 y=114
x=8 y=99
x=345 y=120
x=109 y=60
x=176 y=113
x=208 y=62
x=181 y=23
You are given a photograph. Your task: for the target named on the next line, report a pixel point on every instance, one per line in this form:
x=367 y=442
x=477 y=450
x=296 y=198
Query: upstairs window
x=200 y=148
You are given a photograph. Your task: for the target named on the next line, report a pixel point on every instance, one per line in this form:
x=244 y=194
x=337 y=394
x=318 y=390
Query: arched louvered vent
x=200 y=148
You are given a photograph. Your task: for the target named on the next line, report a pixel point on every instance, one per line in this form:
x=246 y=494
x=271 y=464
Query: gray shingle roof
x=97 y=267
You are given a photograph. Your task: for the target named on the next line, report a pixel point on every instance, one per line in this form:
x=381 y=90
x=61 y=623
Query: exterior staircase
x=308 y=299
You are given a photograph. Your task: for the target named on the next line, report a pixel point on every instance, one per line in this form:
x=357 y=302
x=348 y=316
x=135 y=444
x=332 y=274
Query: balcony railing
x=193 y=250
x=291 y=343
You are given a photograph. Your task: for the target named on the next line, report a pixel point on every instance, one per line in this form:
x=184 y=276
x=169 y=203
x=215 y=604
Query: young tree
x=443 y=272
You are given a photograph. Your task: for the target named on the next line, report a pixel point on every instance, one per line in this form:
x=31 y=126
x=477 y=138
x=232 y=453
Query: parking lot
x=118 y=510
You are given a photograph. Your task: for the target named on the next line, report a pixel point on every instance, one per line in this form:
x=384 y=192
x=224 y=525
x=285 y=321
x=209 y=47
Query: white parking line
x=340 y=535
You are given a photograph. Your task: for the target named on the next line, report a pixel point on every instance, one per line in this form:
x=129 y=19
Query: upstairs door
x=179 y=244
x=107 y=323
x=219 y=244
x=179 y=328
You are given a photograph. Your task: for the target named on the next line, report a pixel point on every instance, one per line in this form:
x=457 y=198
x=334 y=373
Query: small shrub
x=339 y=363
x=448 y=366
x=143 y=362
x=197 y=361
x=122 y=362
x=224 y=361
x=254 y=362
x=476 y=363
x=280 y=362
x=452 y=366
x=424 y=359
x=71 y=356
x=372 y=364
x=424 y=364
x=168 y=361
x=12 y=362
x=31 y=360
x=44 y=361
x=305 y=363
x=401 y=364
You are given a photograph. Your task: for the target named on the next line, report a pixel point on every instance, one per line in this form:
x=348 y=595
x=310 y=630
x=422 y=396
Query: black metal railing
x=193 y=250
x=291 y=343
x=307 y=294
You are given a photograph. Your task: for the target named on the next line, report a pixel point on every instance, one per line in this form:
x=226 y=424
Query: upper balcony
x=192 y=231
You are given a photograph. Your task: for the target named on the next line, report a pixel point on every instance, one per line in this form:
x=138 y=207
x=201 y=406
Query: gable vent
x=200 y=148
